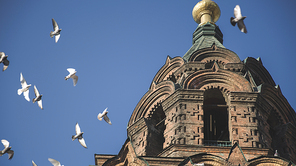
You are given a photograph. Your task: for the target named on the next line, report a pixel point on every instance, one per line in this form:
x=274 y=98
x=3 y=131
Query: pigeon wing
x=57 y=37
x=55 y=25
x=77 y=129
x=54 y=162
x=33 y=163
x=237 y=12
x=40 y=104
x=2 y=54
x=36 y=91
x=82 y=142
x=26 y=95
x=107 y=119
x=23 y=81
x=5 y=143
x=242 y=26
x=10 y=154
x=75 y=79
x=71 y=70
x=104 y=112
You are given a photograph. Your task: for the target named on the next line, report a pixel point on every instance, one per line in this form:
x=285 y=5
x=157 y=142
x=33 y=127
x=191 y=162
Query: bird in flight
x=72 y=75
x=37 y=98
x=56 y=31
x=7 y=149
x=33 y=163
x=79 y=136
x=54 y=162
x=3 y=59
x=239 y=19
x=104 y=116
x=25 y=88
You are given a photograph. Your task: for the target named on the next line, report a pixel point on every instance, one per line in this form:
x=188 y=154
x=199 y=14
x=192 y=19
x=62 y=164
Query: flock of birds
x=38 y=98
x=239 y=20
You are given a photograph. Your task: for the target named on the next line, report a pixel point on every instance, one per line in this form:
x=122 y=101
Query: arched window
x=156 y=123
x=215 y=117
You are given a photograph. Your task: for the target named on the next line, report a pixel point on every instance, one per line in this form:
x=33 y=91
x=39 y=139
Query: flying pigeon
x=79 y=136
x=37 y=98
x=56 y=31
x=239 y=19
x=25 y=88
x=104 y=115
x=7 y=149
x=3 y=59
x=33 y=163
x=54 y=162
x=72 y=75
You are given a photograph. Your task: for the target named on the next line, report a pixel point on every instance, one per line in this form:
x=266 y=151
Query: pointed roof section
x=236 y=155
x=207 y=34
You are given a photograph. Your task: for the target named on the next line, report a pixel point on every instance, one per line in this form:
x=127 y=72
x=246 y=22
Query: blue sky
x=116 y=47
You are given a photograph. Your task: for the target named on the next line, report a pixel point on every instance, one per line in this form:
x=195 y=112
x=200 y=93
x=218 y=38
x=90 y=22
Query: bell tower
x=209 y=107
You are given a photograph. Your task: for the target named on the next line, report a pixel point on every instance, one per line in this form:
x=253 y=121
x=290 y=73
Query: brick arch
x=205 y=158
x=259 y=72
x=168 y=68
x=275 y=98
x=155 y=95
x=224 y=80
x=222 y=55
x=268 y=160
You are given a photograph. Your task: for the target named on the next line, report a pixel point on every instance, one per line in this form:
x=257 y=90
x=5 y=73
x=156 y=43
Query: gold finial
x=206 y=11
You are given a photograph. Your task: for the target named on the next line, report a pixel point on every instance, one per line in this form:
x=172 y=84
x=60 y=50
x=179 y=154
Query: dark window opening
x=156 y=123
x=215 y=116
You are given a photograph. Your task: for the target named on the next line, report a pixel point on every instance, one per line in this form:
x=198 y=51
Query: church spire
x=207 y=34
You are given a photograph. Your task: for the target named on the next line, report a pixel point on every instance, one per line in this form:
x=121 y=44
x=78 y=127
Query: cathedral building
x=209 y=107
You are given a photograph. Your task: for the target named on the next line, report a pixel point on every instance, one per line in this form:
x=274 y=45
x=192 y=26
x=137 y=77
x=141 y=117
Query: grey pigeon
x=56 y=31
x=104 y=115
x=37 y=98
x=54 y=162
x=33 y=163
x=25 y=88
x=79 y=136
x=72 y=75
x=7 y=149
x=239 y=19
x=3 y=59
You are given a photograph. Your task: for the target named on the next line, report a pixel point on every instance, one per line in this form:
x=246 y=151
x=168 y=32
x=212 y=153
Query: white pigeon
x=7 y=149
x=54 y=162
x=276 y=153
x=239 y=19
x=79 y=136
x=33 y=163
x=3 y=59
x=37 y=98
x=104 y=115
x=56 y=31
x=72 y=75
x=25 y=88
